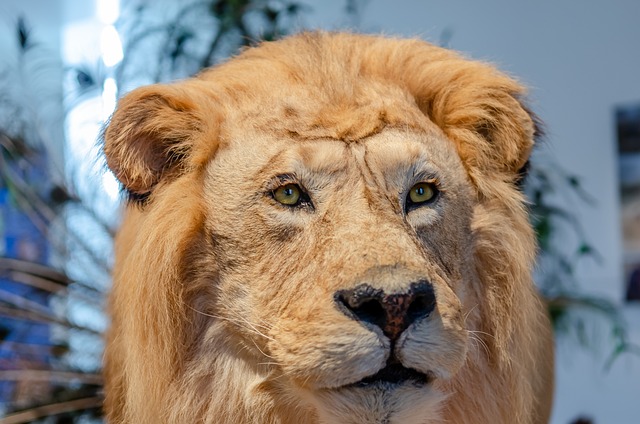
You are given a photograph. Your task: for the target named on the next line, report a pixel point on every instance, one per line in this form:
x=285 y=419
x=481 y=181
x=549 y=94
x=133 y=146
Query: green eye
x=288 y=195
x=422 y=193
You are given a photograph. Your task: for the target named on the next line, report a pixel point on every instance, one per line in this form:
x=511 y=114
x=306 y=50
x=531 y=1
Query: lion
x=328 y=228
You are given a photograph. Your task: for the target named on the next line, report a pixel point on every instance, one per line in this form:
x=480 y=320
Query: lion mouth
x=395 y=373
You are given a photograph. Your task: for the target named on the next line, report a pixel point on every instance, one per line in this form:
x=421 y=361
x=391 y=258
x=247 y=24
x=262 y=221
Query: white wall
x=580 y=58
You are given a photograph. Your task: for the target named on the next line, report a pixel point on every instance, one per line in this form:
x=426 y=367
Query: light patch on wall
x=110 y=46
x=108 y=11
x=109 y=97
x=111 y=186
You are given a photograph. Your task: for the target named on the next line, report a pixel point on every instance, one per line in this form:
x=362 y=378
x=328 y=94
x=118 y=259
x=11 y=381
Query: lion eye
x=288 y=195
x=420 y=194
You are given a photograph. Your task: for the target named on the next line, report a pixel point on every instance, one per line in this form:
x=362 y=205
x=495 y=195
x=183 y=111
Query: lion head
x=326 y=229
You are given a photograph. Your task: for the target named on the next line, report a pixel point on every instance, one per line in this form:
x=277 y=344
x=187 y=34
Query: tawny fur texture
x=224 y=305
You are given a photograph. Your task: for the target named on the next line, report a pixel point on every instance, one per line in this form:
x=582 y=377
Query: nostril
x=370 y=311
x=364 y=304
x=421 y=307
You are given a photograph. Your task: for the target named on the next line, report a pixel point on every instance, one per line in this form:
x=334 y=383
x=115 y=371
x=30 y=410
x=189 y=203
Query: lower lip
x=395 y=374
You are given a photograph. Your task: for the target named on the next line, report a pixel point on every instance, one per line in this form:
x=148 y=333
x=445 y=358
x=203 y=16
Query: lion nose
x=393 y=313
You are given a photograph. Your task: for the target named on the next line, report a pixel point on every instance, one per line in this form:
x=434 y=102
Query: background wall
x=580 y=59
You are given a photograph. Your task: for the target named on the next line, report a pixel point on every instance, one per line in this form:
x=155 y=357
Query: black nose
x=393 y=313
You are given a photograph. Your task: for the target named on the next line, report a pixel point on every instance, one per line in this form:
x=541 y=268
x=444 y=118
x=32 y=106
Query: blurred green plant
x=554 y=197
x=180 y=46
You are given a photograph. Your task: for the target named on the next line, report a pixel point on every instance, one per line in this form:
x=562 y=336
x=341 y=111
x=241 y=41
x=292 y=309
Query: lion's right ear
x=151 y=134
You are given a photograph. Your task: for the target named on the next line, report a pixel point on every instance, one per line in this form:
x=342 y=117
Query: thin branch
x=53 y=409
x=15 y=312
x=35 y=282
x=24 y=303
x=26 y=347
x=44 y=284
x=208 y=57
x=45 y=278
x=135 y=39
x=35 y=269
x=60 y=376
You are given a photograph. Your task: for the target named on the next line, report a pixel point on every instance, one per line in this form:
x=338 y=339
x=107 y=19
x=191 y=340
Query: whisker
x=469 y=312
x=482 y=332
x=260 y=350
x=238 y=322
x=253 y=326
x=479 y=342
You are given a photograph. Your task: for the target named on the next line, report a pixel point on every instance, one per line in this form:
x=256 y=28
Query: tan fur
x=223 y=302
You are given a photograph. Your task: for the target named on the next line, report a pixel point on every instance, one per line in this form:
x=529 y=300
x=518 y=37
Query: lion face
x=320 y=238
x=352 y=284
x=349 y=290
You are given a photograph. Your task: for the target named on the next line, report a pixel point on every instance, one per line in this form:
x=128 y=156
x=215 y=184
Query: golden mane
x=172 y=354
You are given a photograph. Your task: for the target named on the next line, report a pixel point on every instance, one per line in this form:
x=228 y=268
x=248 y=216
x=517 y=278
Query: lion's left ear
x=479 y=108
x=151 y=135
x=486 y=118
